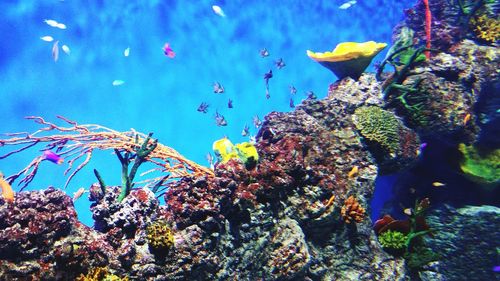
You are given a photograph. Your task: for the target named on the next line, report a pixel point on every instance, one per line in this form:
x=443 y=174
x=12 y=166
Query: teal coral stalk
x=139 y=157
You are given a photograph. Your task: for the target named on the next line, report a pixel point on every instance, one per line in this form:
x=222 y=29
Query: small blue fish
x=293 y=90
x=230 y=103
x=264 y=53
x=245 y=131
x=218 y=88
x=310 y=95
x=256 y=121
x=220 y=120
x=292 y=104
x=203 y=107
x=280 y=63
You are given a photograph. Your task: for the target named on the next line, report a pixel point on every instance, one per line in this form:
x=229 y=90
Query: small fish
x=52 y=157
x=330 y=201
x=245 y=131
x=268 y=75
x=66 y=49
x=55 y=51
x=256 y=121
x=218 y=88
x=230 y=103
x=210 y=160
x=353 y=172
x=496 y=268
x=438 y=184
x=7 y=192
x=78 y=193
x=264 y=53
x=291 y=103
x=347 y=5
x=203 y=107
x=61 y=26
x=52 y=23
x=218 y=11
x=293 y=90
x=280 y=63
x=167 y=50
x=126 y=52
x=118 y=82
x=408 y=211
x=412 y=190
x=47 y=38
x=310 y=95
x=467 y=119
x=220 y=120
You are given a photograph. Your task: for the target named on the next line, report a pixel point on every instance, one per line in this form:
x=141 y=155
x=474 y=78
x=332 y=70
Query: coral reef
x=485 y=28
x=298 y=211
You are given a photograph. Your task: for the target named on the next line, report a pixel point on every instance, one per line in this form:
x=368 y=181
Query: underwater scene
x=250 y=140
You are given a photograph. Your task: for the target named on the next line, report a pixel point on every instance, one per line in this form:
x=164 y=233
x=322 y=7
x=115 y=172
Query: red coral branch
x=428 y=20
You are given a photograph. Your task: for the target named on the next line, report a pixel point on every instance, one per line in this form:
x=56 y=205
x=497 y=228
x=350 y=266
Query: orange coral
x=79 y=141
x=352 y=210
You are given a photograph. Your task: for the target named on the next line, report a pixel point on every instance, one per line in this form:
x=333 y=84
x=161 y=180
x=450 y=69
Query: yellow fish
x=7 y=192
x=438 y=184
x=467 y=118
x=353 y=172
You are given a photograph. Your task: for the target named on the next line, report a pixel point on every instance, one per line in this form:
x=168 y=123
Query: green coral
x=378 y=125
x=481 y=166
x=419 y=257
x=160 y=237
x=393 y=240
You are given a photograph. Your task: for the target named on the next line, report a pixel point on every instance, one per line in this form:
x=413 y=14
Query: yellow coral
x=160 y=236
x=100 y=274
x=487 y=29
x=348 y=58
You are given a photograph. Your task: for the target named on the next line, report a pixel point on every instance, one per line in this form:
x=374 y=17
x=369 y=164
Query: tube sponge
x=348 y=58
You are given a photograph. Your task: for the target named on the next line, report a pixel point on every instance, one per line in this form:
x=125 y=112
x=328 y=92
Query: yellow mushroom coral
x=348 y=58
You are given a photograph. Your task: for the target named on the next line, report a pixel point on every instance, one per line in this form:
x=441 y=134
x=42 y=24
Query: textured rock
x=467 y=240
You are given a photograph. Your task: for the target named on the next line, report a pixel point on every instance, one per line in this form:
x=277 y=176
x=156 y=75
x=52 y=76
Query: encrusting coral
x=486 y=28
x=348 y=58
x=352 y=210
x=392 y=240
x=100 y=274
x=160 y=236
x=378 y=125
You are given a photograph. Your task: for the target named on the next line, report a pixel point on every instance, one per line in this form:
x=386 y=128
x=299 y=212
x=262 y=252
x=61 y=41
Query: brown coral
x=352 y=210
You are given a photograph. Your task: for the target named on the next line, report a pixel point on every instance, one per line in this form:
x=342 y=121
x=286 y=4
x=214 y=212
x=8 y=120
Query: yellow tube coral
x=348 y=58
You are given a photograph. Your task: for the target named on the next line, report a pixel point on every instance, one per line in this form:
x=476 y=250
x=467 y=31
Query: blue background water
x=160 y=94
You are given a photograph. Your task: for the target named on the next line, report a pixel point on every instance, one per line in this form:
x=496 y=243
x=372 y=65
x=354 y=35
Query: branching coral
x=352 y=210
x=79 y=141
x=378 y=125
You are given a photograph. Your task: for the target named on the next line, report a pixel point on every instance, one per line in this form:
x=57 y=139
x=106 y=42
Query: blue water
x=161 y=94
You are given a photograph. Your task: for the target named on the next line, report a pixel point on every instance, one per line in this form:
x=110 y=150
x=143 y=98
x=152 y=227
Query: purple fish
x=52 y=157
